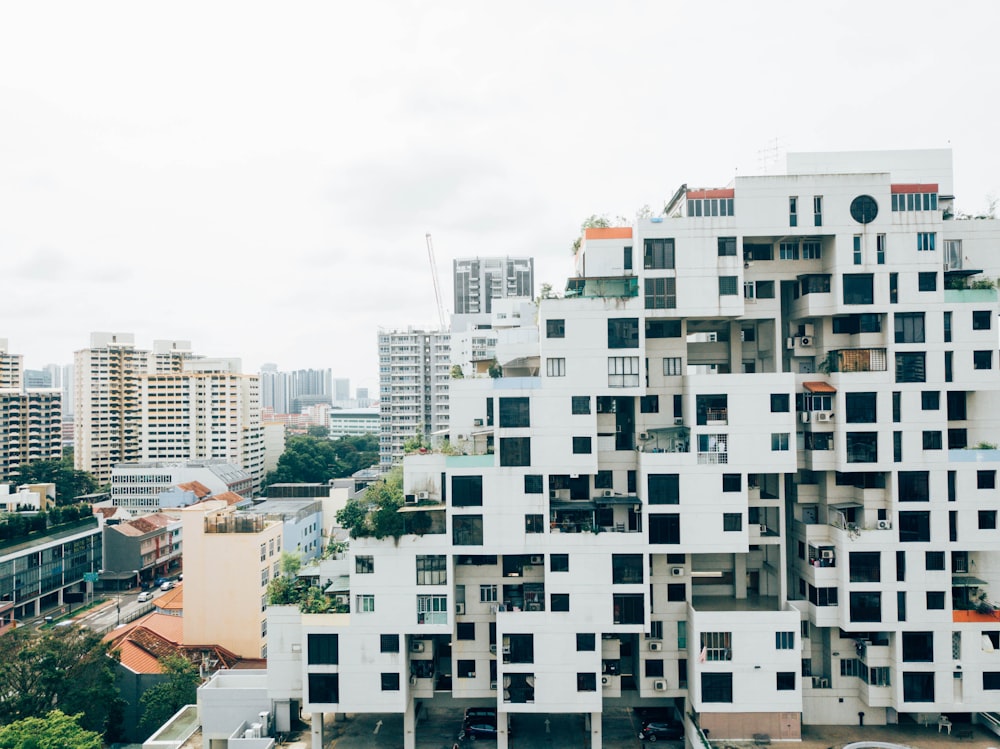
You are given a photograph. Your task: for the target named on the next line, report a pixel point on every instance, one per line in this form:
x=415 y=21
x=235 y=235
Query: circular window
x=864 y=209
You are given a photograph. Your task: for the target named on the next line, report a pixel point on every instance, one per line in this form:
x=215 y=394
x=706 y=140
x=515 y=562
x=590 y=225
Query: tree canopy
x=70 y=483
x=56 y=730
x=167 y=697
x=376 y=512
x=65 y=667
x=311 y=459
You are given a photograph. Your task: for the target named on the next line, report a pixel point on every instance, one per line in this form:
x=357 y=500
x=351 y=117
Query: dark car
x=477 y=730
x=655 y=729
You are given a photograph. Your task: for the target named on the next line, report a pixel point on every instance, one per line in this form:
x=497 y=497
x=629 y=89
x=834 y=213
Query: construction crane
x=437 y=286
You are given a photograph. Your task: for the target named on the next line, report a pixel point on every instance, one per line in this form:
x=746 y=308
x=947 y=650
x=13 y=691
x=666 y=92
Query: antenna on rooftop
x=769 y=155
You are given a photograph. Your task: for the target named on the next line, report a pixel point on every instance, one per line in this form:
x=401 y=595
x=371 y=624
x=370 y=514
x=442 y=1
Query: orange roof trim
x=725 y=192
x=914 y=187
x=819 y=387
x=613 y=232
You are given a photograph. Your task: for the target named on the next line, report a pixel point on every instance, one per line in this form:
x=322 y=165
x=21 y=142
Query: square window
x=732 y=521
x=779 y=441
x=930 y=400
x=389 y=643
x=515 y=413
x=932 y=440
x=465 y=630
x=555 y=367
x=581 y=404
x=676 y=593
x=586 y=642
x=982 y=359
x=658 y=254
x=649 y=404
x=364 y=565
x=935 y=599
x=716 y=687
x=555 y=328
x=390 y=682
x=927 y=281
x=986 y=479
x=785 y=680
x=533 y=524
x=727 y=246
x=466 y=669
x=586 y=682
x=660 y=293
x=581 y=446
x=654 y=667
x=934 y=561
x=559 y=562
x=623 y=332
x=663 y=488
x=987 y=520
x=982 y=320
x=322 y=649
x=559 y=602
x=515 y=451
x=732 y=482
x=533 y=484
x=780 y=403
x=785 y=640
x=604 y=480
x=728 y=285
x=672 y=366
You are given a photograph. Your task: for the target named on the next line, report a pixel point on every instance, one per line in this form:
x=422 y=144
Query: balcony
x=603 y=287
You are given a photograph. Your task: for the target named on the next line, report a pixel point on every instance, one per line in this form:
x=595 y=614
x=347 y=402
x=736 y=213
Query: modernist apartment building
x=138 y=486
x=208 y=410
x=354 y=422
x=30 y=419
x=413 y=388
x=480 y=280
x=749 y=471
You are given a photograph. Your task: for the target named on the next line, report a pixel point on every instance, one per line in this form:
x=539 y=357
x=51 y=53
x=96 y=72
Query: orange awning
x=819 y=387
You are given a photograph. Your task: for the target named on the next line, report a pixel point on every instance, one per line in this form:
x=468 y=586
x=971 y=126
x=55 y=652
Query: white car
x=146 y=595
x=166 y=585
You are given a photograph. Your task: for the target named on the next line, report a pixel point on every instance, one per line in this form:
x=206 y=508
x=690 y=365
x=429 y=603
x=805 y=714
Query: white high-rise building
x=480 y=280
x=30 y=419
x=413 y=388
x=208 y=410
x=749 y=473
x=275 y=390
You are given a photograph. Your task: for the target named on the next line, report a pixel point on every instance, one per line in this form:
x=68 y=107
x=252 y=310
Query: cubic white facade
x=749 y=472
x=413 y=388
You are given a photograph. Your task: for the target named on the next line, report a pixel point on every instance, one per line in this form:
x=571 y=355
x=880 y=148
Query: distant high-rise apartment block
x=312 y=382
x=413 y=388
x=30 y=419
x=341 y=389
x=275 y=389
x=480 y=280
x=61 y=376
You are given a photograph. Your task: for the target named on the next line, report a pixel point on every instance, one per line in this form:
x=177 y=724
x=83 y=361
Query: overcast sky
x=258 y=178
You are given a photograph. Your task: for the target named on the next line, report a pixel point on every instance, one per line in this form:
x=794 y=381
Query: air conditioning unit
x=477 y=422
x=506 y=649
x=805 y=341
x=676 y=571
x=537 y=559
x=608 y=493
x=885 y=525
x=423 y=495
x=826 y=553
x=493 y=685
x=660 y=685
x=644 y=437
x=804 y=416
x=824 y=415
x=417 y=646
x=655 y=645
x=460 y=608
x=493 y=649
x=410 y=499
x=789 y=343
x=605 y=680
x=679 y=421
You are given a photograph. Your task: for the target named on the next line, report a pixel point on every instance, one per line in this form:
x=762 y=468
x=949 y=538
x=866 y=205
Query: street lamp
x=118 y=590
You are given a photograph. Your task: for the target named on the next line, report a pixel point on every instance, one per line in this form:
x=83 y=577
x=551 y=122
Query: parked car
x=476 y=730
x=166 y=585
x=655 y=729
x=481 y=715
x=146 y=595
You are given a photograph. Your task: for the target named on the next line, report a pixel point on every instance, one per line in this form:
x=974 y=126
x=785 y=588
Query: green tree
x=317 y=459
x=591 y=222
x=64 y=667
x=56 y=730
x=167 y=697
x=318 y=432
x=291 y=563
x=70 y=483
x=376 y=512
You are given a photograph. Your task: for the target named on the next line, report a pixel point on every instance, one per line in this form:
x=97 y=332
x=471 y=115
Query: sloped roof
x=172 y=600
x=145 y=641
x=230 y=498
x=146 y=524
x=199 y=489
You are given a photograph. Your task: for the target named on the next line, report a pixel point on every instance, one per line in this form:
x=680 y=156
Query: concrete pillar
x=502 y=735
x=596 y=731
x=317 y=731
x=736 y=346
x=409 y=726
x=740 y=576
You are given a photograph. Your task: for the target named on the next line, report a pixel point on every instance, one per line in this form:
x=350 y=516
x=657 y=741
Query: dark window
x=860 y=408
x=465 y=630
x=927 y=281
x=628 y=608
x=918 y=647
x=982 y=360
x=586 y=642
x=732 y=482
x=559 y=602
x=910 y=367
x=663 y=328
x=914 y=486
x=586 y=682
x=364 y=564
x=991 y=680
x=514 y=412
x=987 y=520
x=626 y=568
x=555 y=328
x=664 y=529
x=948 y=360
x=559 y=562
x=729 y=285
x=897 y=406
x=664 y=489
x=716 y=687
x=466 y=491
x=661 y=293
x=649 y=404
x=914 y=526
x=918 y=686
x=390 y=682
x=324 y=688
x=859 y=288
x=866 y=606
x=785 y=680
x=862 y=447
x=727 y=246
x=654 y=667
x=533 y=483
x=515 y=451
x=623 y=332
x=732 y=521
x=932 y=440
x=909 y=327
x=389 y=643
x=533 y=524
x=432 y=569
x=958 y=439
x=779 y=403
x=764 y=289
x=465 y=669
x=865 y=566
x=930 y=400
x=986 y=479
x=957 y=407
x=893 y=288
x=658 y=254
x=627 y=258
x=935 y=599
x=947 y=327
x=467 y=530
x=581 y=404
x=323 y=649
x=982 y=319
x=676 y=592
x=604 y=480
x=581 y=445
